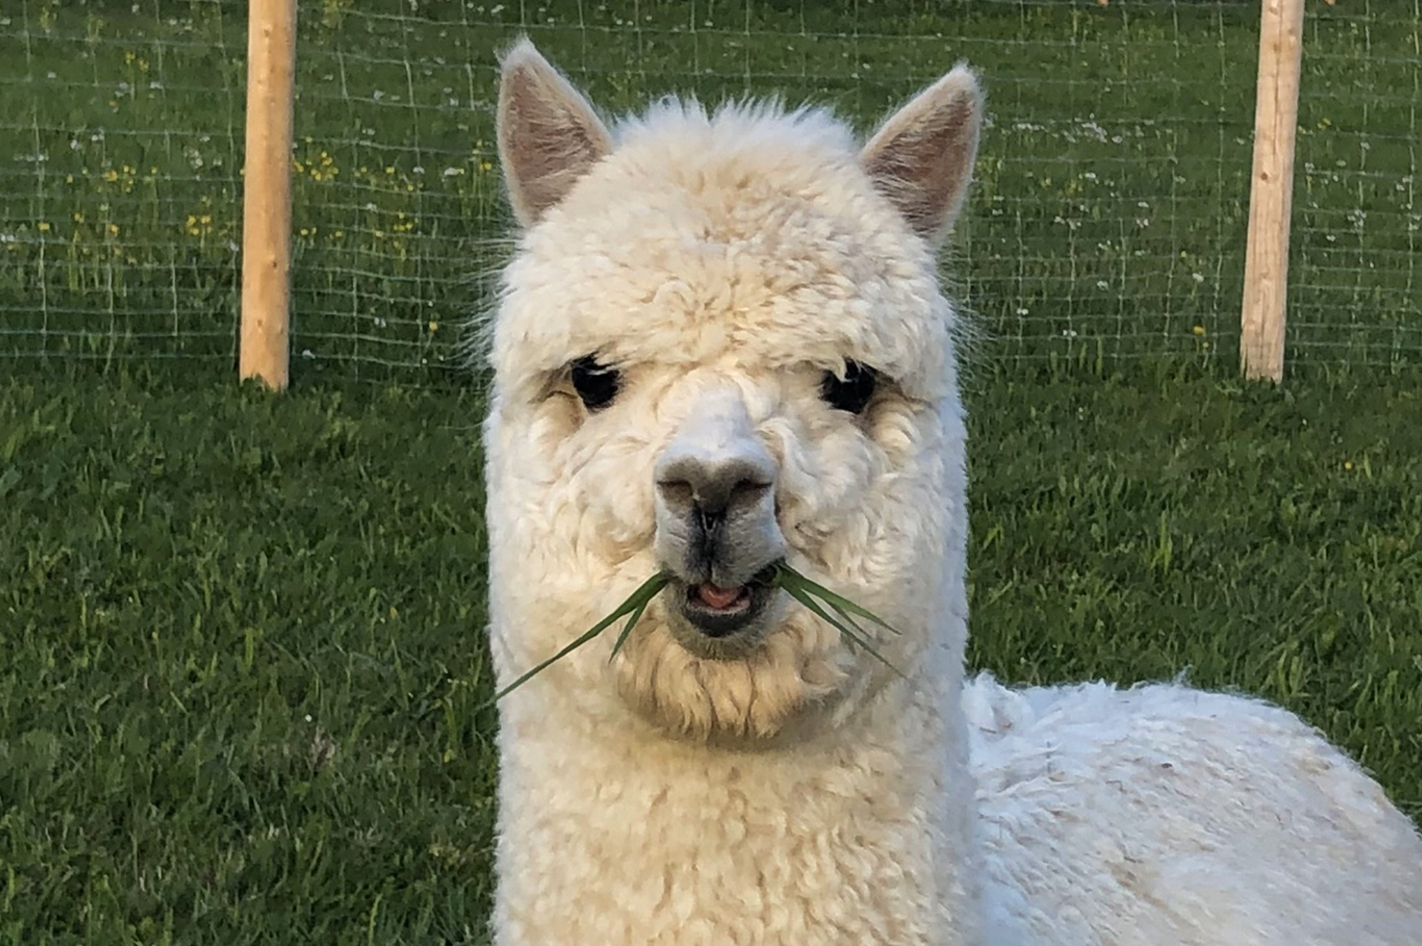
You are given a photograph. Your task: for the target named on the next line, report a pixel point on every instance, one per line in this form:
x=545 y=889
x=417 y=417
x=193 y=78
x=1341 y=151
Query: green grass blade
x=839 y=602
x=841 y=612
x=802 y=596
x=626 y=630
x=636 y=602
x=845 y=614
x=582 y=639
x=792 y=582
x=855 y=639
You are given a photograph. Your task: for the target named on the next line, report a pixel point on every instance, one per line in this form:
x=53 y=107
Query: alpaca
x=721 y=342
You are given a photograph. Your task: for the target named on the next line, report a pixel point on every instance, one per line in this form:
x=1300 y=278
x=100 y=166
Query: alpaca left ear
x=922 y=156
x=549 y=135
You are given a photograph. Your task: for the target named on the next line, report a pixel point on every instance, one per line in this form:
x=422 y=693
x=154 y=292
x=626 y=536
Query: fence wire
x=1108 y=220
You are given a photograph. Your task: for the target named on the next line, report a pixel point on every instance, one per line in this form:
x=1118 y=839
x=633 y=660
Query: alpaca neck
x=862 y=835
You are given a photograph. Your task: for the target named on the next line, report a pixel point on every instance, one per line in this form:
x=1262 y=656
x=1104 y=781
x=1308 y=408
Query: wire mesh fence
x=120 y=133
x=1357 y=244
x=1108 y=220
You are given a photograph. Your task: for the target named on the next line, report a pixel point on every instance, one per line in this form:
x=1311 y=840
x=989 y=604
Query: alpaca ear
x=922 y=156
x=549 y=136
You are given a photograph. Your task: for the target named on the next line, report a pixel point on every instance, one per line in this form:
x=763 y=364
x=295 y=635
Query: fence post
x=266 y=192
x=1266 y=263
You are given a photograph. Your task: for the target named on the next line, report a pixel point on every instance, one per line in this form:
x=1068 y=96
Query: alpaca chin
x=796 y=679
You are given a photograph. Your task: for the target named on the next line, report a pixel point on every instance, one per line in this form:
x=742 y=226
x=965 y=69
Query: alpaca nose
x=715 y=499
x=711 y=490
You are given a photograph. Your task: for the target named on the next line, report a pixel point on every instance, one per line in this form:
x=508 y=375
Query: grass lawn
x=241 y=699
x=243 y=671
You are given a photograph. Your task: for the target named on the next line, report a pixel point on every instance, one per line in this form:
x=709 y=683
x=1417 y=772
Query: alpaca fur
x=801 y=794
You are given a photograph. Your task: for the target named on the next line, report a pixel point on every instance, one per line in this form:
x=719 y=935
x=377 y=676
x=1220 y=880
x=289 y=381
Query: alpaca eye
x=595 y=383
x=852 y=392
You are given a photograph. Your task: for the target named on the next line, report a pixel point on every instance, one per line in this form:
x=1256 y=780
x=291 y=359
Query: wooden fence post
x=1266 y=263
x=266 y=192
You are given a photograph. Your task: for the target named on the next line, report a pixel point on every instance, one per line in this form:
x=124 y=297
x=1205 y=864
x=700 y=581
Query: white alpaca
x=722 y=341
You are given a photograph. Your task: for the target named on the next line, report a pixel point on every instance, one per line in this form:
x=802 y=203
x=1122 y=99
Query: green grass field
x=243 y=676
x=243 y=673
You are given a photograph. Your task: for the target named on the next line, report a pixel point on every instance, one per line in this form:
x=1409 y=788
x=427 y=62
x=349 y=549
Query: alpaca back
x=1167 y=815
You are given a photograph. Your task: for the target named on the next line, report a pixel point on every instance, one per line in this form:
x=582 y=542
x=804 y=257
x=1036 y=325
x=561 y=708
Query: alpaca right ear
x=549 y=136
x=922 y=156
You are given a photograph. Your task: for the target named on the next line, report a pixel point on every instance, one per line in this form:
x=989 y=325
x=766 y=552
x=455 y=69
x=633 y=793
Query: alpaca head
x=721 y=342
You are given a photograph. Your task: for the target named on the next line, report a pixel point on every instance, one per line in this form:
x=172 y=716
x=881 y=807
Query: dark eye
x=852 y=392
x=595 y=383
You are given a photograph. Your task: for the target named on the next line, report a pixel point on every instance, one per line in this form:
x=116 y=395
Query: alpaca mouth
x=718 y=612
x=718 y=599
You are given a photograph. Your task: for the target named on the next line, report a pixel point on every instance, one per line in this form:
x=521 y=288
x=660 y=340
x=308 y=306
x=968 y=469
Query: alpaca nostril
x=678 y=494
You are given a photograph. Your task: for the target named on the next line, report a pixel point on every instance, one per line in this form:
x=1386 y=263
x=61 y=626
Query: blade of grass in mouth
x=635 y=604
x=804 y=591
x=783 y=577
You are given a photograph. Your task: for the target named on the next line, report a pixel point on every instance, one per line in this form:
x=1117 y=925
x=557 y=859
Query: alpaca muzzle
x=716 y=526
